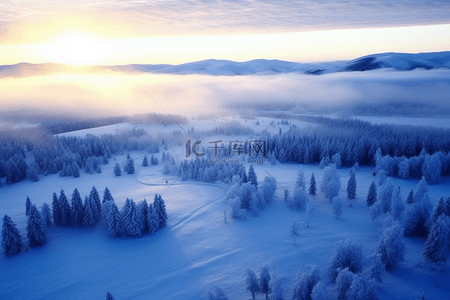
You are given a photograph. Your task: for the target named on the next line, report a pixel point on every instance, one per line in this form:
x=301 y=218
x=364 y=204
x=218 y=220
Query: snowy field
x=200 y=248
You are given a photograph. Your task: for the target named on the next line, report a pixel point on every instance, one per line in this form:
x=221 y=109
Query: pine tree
x=160 y=209
x=77 y=209
x=252 y=176
x=113 y=220
x=312 y=185
x=372 y=194
x=27 y=206
x=133 y=225
x=385 y=196
x=75 y=170
x=397 y=206
x=56 y=208
x=299 y=199
x=145 y=161
x=305 y=282
x=11 y=238
x=89 y=218
x=46 y=214
x=331 y=183
x=356 y=290
x=107 y=196
x=36 y=228
x=343 y=282
x=300 y=183
x=152 y=219
x=437 y=241
x=65 y=210
x=410 y=198
x=129 y=165
x=117 y=170
x=251 y=282
x=319 y=292
x=377 y=268
x=143 y=213
x=391 y=246
x=97 y=205
x=109 y=296
x=264 y=280
x=351 y=185
x=346 y=254
x=421 y=190
x=439 y=210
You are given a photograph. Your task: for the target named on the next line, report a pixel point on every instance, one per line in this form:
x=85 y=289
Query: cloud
x=251 y=16
x=417 y=92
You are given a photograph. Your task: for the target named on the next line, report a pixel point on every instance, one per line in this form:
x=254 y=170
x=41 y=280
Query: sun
x=77 y=48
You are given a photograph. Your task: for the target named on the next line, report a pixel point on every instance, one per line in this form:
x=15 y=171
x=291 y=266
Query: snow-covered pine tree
x=391 y=246
x=129 y=165
x=418 y=217
x=295 y=226
x=27 y=206
x=264 y=280
x=337 y=207
x=276 y=288
x=312 y=185
x=56 y=208
x=351 y=185
x=252 y=176
x=109 y=296
x=113 y=220
x=251 y=282
x=431 y=168
x=356 y=290
x=77 y=209
x=410 y=198
x=133 y=225
x=305 y=282
x=377 y=268
x=385 y=196
x=152 y=219
x=381 y=177
x=36 y=228
x=143 y=213
x=66 y=219
x=397 y=206
x=300 y=183
x=145 y=161
x=268 y=189
x=346 y=254
x=11 y=238
x=331 y=183
x=344 y=280
x=437 y=241
x=107 y=195
x=421 y=190
x=439 y=210
x=75 y=170
x=299 y=199
x=160 y=209
x=117 y=170
x=319 y=292
x=372 y=194
x=97 y=207
x=46 y=214
x=88 y=218
x=215 y=293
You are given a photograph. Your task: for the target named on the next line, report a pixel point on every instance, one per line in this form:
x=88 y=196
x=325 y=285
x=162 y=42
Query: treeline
x=134 y=219
x=356 y=141
x=68 y=155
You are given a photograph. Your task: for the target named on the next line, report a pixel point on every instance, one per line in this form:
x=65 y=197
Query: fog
x=382 y=92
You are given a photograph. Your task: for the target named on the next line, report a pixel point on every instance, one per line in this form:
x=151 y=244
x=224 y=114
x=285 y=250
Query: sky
x=110 y=32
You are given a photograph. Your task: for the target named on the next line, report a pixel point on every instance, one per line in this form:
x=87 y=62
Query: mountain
x=395 y=61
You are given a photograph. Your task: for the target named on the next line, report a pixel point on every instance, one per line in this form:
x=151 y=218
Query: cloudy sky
x=155 y=31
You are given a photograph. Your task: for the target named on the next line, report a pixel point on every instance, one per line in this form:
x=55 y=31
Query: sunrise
x=225 y=150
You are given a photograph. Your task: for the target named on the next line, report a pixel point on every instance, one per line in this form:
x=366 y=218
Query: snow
x=197 y=249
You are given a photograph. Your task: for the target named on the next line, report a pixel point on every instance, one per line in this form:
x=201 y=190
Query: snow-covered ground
x=198 y=249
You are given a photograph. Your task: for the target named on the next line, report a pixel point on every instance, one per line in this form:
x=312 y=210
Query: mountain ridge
x=217 y=67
